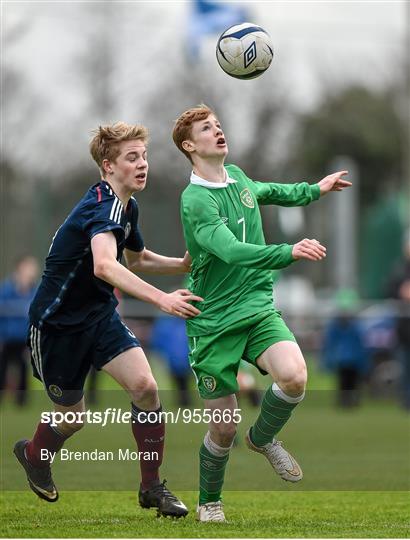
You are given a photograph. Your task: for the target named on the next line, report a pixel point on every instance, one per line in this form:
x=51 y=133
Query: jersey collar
x=107 y=186
x=195 y=179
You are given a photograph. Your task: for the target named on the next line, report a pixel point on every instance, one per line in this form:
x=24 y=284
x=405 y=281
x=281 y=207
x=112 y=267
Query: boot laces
x=277 y=453
x=214 y=509
x=40 y=474
x=161 y=490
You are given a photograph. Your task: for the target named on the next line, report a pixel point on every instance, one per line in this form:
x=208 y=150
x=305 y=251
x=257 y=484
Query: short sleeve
x=134 y=241
x=105 y=216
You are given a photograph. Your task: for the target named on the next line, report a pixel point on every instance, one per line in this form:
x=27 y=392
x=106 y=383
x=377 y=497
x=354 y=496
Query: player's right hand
x=311 y=250
x=177 y=303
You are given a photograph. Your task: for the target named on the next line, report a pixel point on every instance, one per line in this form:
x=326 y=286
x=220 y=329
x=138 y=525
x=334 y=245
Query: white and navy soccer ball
x=244 y=51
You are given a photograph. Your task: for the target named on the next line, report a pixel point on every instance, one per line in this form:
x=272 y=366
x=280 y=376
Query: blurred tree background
x=365 y=125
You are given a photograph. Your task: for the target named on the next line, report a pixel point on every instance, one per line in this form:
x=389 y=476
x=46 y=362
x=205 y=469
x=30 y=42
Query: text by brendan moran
x=122 y=454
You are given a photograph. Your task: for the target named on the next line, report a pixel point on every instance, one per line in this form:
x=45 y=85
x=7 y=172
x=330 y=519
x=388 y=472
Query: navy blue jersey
x=70 y=297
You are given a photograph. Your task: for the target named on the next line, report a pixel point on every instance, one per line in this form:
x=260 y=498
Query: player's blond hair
x=183 y=125
x=106 y=140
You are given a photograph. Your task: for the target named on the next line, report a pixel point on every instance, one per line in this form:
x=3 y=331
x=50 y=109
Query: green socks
x=276 y=410
x=212 y=464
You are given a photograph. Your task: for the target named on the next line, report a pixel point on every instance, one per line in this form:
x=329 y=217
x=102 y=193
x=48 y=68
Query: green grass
x=364 y=450
x=251 y=514
x=356 y=484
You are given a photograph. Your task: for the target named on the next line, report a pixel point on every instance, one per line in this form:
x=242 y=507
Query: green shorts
x=215 y=358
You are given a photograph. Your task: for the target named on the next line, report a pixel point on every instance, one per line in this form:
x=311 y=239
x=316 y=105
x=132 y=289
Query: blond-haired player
x=73 y=321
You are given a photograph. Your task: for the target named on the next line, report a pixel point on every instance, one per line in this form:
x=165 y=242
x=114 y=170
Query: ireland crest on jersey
x=247 y=198
x=209 y=383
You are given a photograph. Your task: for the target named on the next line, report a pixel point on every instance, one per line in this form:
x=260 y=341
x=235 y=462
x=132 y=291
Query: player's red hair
x=183 y=125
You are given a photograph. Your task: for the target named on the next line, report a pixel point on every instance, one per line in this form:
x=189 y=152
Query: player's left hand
x=334 y=182
x=186 y=262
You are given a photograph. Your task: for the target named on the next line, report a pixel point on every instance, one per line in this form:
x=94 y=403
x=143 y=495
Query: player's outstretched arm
x=152 y=263
x=299 y=194
x=312 y=250
x=333 y=182
x=107 y=268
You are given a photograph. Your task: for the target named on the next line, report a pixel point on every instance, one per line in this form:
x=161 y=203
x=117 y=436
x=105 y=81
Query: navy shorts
x=62 y=361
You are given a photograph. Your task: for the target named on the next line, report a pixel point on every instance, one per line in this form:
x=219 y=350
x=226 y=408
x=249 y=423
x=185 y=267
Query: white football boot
x=211 y=511
x=283 y=463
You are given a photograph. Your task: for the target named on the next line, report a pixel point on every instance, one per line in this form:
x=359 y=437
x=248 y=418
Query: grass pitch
x=356 y=484
x=249 y=514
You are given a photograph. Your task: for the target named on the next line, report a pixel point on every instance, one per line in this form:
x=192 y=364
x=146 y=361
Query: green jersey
x=231 y=263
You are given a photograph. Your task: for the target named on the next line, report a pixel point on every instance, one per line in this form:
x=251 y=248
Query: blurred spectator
x=378 y=323
x=169 y=339
x=247 y=384
x=400 y=290
x=16 y=293
x=344 y=349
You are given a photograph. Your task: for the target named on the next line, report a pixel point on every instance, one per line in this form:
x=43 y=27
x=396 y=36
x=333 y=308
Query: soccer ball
x=244 y=51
